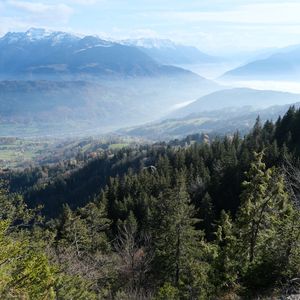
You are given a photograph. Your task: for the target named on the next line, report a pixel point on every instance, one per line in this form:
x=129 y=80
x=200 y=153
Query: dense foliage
x=184 y=220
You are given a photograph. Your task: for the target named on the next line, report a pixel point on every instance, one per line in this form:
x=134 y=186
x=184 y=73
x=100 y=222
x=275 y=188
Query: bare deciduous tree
x=135 y=254
x=292 y=177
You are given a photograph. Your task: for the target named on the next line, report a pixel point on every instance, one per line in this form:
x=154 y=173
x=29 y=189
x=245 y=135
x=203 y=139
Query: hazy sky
x=212 y=25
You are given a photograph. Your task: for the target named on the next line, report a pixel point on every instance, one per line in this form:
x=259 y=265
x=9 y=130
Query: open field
x=16 y=152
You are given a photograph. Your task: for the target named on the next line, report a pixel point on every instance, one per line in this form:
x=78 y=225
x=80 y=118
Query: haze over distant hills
x=33 y=108
x=215 y=122
x=221 y=112
x=282 y=65
x=237 y=98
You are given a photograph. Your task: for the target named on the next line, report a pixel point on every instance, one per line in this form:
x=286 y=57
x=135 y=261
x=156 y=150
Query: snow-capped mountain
x=165 y=51
x=150 y=43
x=40 y=54
x=38 y=34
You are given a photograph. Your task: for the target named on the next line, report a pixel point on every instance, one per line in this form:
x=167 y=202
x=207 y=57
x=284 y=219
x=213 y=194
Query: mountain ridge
x=237 y=97
x=41 y=54
x=281 y=65
x=165 y=51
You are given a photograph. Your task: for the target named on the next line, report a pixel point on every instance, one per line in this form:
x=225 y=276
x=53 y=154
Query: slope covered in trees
x=184 y=220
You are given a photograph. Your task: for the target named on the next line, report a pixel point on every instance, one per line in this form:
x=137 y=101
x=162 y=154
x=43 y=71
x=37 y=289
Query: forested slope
x=184 y=220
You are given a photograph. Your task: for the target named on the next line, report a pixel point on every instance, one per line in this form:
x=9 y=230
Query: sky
x=216 y=26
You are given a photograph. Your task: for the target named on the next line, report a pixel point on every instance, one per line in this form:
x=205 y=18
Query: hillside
x=237 y=98
x=114 y=161
x=137 y=210
x=282 y=65
x=214 y=122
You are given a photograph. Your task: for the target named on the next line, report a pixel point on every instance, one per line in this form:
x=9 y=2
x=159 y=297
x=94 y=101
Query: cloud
x=257 y=13
x=9 y=23
x=44 y=12
x=120 y=33
x=84 y=2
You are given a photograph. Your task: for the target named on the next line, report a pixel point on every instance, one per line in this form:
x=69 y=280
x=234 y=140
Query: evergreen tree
x=207 y=215
x=179 y=247
x=73 y=232
x=25 y=271
x=265 y=202
x=226 y=262
x=263 y=199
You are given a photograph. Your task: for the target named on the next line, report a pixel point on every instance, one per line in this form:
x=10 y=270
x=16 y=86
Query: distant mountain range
x=237 y=98
x=42 y=54
x=169 y=53
x=282 y=65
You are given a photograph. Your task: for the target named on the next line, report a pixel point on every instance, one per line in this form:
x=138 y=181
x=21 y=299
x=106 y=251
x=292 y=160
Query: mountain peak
x=150 y=43
x=38 y=34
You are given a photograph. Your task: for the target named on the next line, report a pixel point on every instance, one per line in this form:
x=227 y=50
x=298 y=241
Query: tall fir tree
x=179 y=247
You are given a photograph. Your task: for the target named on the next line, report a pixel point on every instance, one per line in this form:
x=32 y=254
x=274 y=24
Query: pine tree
x=179 y=248
x=25 y=271
x=207 y=215
x=73 y=232
x=226 y=262
x=94 y=216
x=263 y=200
